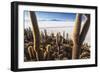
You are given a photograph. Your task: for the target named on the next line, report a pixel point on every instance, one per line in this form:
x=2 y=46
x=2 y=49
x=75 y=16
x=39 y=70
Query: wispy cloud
x=51 y=20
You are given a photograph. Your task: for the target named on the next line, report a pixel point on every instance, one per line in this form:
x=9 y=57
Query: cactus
x=85 y=29
x=36 y=36
x=79 y=37
x=76 y=33
x=31 y=52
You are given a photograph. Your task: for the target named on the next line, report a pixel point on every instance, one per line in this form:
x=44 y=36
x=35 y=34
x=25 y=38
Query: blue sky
x=55 y=16
x=52 y=16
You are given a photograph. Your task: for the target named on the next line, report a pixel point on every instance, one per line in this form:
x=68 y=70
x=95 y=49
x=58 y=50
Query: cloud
x=55 y=20
x=51 y=20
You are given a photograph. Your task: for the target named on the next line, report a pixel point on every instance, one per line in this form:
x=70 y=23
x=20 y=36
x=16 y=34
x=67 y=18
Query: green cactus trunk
x=76 y=33
x=79 y=37
x=36 y=36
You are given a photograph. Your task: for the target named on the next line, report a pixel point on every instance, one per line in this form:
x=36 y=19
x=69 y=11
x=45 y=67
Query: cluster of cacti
x=85 y=51
x=54 y=47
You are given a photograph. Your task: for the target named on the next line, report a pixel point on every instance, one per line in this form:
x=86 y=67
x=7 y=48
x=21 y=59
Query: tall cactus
x=36 y=36
x=79 y=37
x=76 y=33
x=85 y=29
